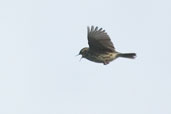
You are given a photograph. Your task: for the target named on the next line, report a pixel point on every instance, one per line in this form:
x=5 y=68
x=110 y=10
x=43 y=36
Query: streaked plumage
x=101 y=48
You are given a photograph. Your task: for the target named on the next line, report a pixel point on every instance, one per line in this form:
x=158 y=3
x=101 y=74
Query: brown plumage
x=101 y=48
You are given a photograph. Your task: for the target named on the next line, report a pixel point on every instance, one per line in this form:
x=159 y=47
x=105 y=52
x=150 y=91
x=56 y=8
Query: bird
x=101 y=48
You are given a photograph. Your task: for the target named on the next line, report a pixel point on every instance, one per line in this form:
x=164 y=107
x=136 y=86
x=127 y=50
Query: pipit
x=101 y=48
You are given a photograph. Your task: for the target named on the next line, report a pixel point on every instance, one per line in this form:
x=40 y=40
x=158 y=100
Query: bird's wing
x=99 y=40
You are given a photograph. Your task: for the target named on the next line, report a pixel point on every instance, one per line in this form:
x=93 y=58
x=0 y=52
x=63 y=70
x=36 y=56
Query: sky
x=40 y=74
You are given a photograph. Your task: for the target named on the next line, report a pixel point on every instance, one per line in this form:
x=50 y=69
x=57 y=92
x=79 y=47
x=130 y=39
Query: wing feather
x=99 y=40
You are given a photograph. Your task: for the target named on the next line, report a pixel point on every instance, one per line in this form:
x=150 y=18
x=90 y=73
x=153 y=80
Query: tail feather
x=128 y=55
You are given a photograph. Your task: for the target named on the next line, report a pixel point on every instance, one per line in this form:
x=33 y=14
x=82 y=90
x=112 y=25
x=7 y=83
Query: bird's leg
x=105 y=62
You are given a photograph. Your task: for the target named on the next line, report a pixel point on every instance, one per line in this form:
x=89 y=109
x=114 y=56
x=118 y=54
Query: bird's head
x=83 y=52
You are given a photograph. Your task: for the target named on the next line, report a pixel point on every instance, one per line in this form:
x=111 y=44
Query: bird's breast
x=101 y=57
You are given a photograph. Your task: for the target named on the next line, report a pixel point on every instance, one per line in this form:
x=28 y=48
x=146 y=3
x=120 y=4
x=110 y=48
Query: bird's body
x=101 y=48
x=104 y=58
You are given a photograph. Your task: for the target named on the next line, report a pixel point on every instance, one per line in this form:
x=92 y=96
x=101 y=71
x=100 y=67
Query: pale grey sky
x=39 y=73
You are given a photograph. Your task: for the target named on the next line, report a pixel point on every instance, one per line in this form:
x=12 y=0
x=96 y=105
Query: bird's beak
x=77 y=55
x=81 y=58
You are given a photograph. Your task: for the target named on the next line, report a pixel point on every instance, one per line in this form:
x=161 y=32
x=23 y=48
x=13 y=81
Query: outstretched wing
x=99 y=41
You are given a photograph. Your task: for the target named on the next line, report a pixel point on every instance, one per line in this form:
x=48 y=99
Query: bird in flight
x=101 y=48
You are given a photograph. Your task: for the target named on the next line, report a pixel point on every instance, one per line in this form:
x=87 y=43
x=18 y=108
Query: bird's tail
x=127 y=55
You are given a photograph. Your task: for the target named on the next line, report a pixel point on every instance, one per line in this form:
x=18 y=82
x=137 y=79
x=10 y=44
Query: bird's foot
x=105 y=62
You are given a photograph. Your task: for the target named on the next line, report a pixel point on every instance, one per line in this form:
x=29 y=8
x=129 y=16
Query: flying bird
x=101 y=48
